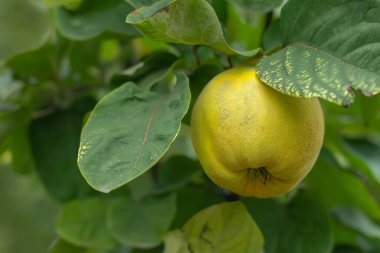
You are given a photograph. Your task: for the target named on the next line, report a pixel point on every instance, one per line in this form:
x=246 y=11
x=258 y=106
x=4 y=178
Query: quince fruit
x=252 y=139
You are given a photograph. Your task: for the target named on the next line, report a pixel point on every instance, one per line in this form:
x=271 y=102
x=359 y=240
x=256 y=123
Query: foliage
x=96 y=99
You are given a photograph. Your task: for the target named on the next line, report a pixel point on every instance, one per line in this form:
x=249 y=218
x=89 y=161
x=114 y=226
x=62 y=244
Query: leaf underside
x=330 y=51
x=303 y=71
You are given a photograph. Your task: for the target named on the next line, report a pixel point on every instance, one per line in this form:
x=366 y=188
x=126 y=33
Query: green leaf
x=141 y=3
x=343 y=234
x=244 y=28
x=226 y=227
x=40 y=64
x=55 y=143
x=83 y=223
x=22 y=157
x=256 y=6
x=357 y=220
x=170 y=174
x=325 y=62
x=182 y=146
x=18 y=33
x=270 y=215
x=342 y=187
x=302 y=71
x=198 y=80
x=10 y=90
x=368 y=152
x=185 y=22
x=93 y=18
x=174 y=173
x=69 y=4
x=347 y=249
x=141 y=223
x=175 y=242
x=60 y=246
x=286 y=228
x=370 y=111
x=272 y=36
x=11 y=120
x=128 y=132
x=192 y=199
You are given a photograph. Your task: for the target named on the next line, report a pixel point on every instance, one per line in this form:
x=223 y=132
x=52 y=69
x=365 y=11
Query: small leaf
x=302 y=71
x=222 y=228
x=93 y=18
x=186 y=22
x=83 y=223
x=128 y=132
x=18 y=33
x=141 y=223
x=357 y=220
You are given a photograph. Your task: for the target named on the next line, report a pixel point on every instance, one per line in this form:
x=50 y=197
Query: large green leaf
x=325 y=62
x=287 y=228
x=222 y=228
x=186 y=22
x=141 y=223
x=128 y=132
x=83 y=223
x=24 y=26
x=93 y=18
x=55 y=143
